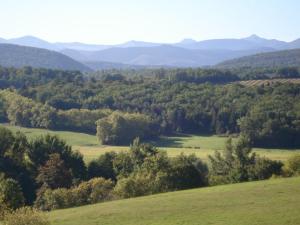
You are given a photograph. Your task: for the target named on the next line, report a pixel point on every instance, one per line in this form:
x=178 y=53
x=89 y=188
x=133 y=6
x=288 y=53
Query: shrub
x=188 y=172
x=92 y=191
x=103 y=166
x=292 y=166
x=264 y=169
x=11 y=195
x=101 y=190
x=25 y=216
x=138 y=184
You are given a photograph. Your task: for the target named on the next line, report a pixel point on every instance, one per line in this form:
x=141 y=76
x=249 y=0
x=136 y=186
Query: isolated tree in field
x=54 y=173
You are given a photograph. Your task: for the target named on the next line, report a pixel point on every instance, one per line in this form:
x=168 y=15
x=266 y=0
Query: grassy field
x=272 y=202
x=202 y=146
x=72 y=138
x=94 y=152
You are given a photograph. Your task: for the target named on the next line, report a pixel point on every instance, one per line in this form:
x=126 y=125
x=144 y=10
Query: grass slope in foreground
x=272 y=202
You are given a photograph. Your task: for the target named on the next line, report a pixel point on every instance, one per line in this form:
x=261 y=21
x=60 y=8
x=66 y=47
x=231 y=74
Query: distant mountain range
x=135 y=54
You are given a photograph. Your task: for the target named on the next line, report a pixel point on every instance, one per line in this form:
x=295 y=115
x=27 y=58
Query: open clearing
x=202 y=146
x=272 y=202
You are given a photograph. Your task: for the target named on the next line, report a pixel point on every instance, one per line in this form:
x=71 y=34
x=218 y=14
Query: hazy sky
x=116 y=21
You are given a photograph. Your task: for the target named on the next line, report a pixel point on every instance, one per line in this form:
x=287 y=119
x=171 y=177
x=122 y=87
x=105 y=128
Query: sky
x=163 y=21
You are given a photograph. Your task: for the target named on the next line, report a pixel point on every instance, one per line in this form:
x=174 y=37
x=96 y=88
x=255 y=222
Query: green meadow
x=201 y=146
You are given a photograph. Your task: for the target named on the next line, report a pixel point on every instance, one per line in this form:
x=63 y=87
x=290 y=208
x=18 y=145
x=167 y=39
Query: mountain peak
x=27 y=38
x=134 y=43
x=254 y=37
x=188 y=41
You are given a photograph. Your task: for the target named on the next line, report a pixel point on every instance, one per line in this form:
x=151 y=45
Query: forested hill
x=287 y=58
x=19 y=56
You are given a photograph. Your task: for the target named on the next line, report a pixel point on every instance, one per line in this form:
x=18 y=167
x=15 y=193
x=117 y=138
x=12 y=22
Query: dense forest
x=128 y=107
x=153 y=102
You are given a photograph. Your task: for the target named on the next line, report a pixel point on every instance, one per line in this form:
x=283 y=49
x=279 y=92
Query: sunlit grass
x=201 y=146
x=272 y=202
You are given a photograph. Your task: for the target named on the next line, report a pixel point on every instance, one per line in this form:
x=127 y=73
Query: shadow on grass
x=174 y=141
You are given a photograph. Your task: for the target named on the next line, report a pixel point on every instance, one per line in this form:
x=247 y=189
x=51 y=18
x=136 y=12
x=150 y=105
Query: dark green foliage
x=10 y=193
x=79 y=119
x=45 y=162
x=123 y=164
x=120 y=129
x=41 y=148
x=12 y=161
x=273 y=122
x=54 y=173
x=188 y=172
x=176 y=100
x=154 y=172
x=103 y=166
x=264 y=168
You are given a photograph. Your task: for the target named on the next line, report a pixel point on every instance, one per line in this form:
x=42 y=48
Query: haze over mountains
x=187 y=53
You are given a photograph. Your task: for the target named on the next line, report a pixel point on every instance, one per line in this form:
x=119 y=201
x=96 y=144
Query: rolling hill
x=272 y=202
x=285 y=58
x=19 y=56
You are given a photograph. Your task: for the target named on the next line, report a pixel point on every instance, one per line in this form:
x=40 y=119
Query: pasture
x=271 y=202
x=201 y=146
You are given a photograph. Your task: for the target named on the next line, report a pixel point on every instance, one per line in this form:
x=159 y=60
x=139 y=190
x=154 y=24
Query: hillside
x=286 y=58
x=19 y=56
x=272 y=202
